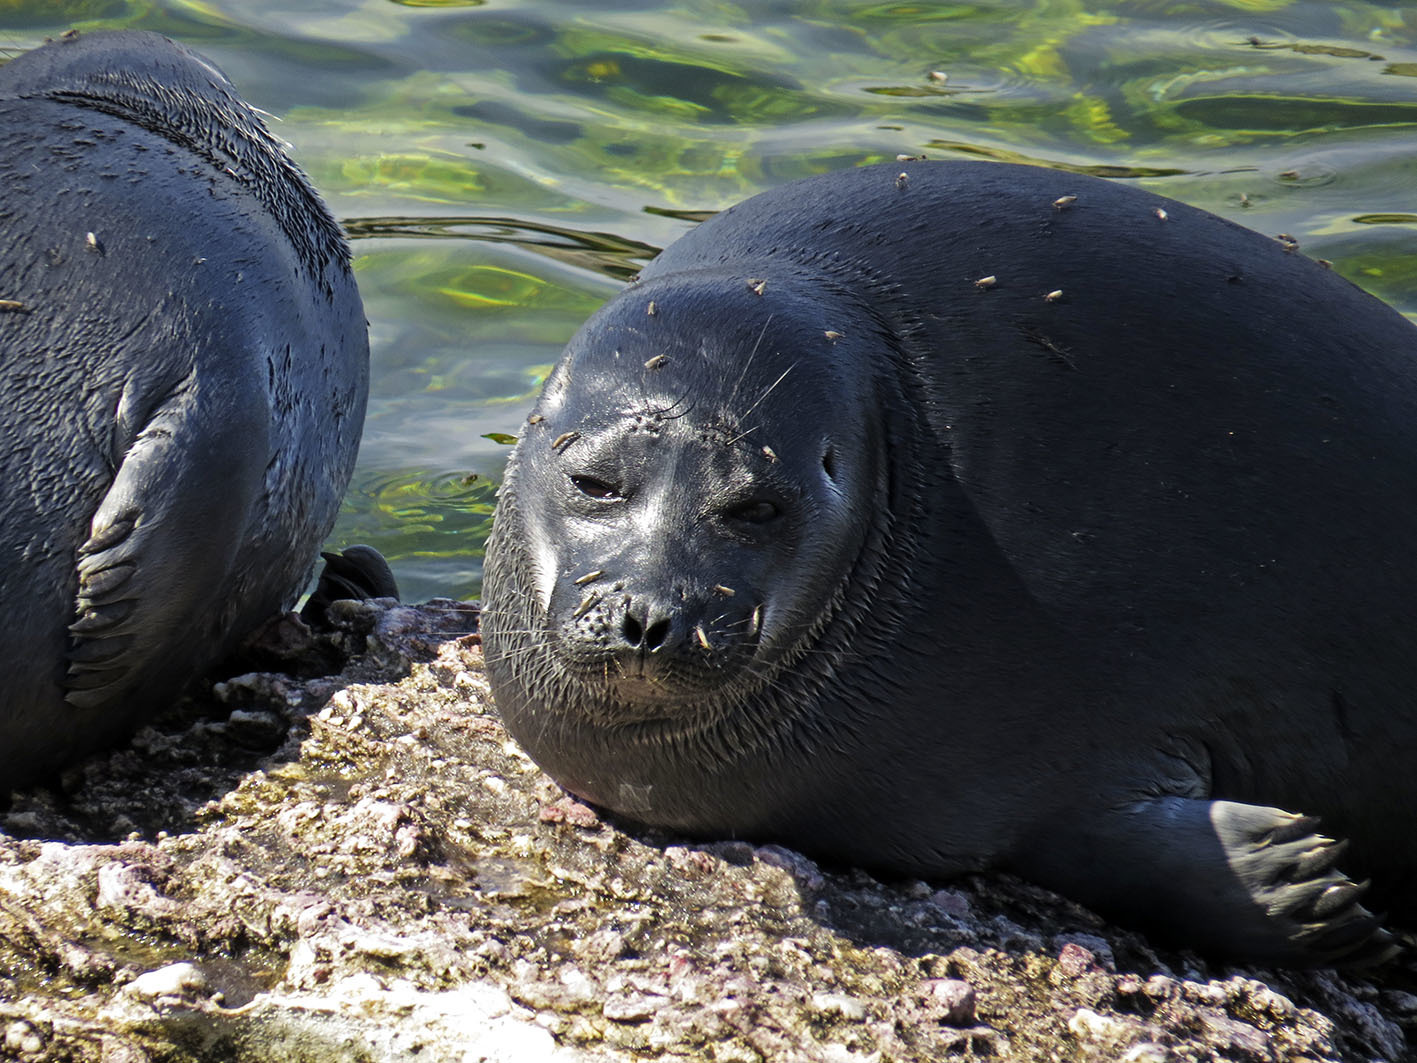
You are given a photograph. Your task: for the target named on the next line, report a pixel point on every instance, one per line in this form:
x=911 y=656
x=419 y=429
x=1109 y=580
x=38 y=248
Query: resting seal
x=183 y=374
x=984 y=516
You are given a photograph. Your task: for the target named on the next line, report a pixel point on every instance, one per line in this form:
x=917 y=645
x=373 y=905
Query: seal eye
x=593 y=488
x=758 y=511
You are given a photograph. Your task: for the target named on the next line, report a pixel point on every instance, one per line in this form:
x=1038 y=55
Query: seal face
x=986 y=517
x=659 y=558
x=183 y=374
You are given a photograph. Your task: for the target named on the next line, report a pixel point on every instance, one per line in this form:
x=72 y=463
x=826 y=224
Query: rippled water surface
x=503 y=167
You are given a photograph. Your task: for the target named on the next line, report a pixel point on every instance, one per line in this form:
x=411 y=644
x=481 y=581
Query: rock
x=362 y=865
x=23 y=1040
x=955 y=998
x=838 y=1004
x=175 y=981
x=1146 y=1052
x=1088 y=1026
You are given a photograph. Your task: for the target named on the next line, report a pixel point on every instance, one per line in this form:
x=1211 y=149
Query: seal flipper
x=358 y=572
x=148 y=571
x=1228 y=878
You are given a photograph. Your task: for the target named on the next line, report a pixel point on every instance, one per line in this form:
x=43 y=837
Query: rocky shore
x=339 y=855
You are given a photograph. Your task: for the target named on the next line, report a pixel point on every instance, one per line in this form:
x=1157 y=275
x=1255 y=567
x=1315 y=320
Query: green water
x=504 y=166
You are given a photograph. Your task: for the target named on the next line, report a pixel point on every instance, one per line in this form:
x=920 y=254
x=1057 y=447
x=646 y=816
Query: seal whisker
x=767 y=392
x=747 y=362
x=510 y=654
x=667 y=412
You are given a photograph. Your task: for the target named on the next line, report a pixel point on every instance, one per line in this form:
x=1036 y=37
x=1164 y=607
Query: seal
x=183 y=375
x=961 y=515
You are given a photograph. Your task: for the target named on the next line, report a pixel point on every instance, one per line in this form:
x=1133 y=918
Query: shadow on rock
x=250 y=714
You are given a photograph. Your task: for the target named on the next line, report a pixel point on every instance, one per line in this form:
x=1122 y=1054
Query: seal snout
x=655 y=639
x=659 y=644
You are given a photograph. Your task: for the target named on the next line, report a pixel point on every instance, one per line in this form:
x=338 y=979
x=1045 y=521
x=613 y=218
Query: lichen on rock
x=363 y=866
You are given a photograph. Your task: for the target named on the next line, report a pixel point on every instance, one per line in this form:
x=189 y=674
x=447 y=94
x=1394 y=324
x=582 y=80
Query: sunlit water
x=503 y=167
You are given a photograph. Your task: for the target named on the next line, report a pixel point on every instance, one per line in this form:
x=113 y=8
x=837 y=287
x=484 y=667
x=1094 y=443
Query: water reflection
x=600 y=252
x=504 y=168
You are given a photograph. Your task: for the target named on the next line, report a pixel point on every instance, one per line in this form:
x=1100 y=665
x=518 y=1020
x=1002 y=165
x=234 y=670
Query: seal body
x=986 y=516
x=183 y=374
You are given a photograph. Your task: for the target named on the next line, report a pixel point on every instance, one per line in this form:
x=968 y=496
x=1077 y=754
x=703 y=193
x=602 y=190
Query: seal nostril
x=646 y=635
x=656 y=634
x=633 y=631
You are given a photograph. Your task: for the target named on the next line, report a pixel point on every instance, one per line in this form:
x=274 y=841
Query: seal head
x=675 y=505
